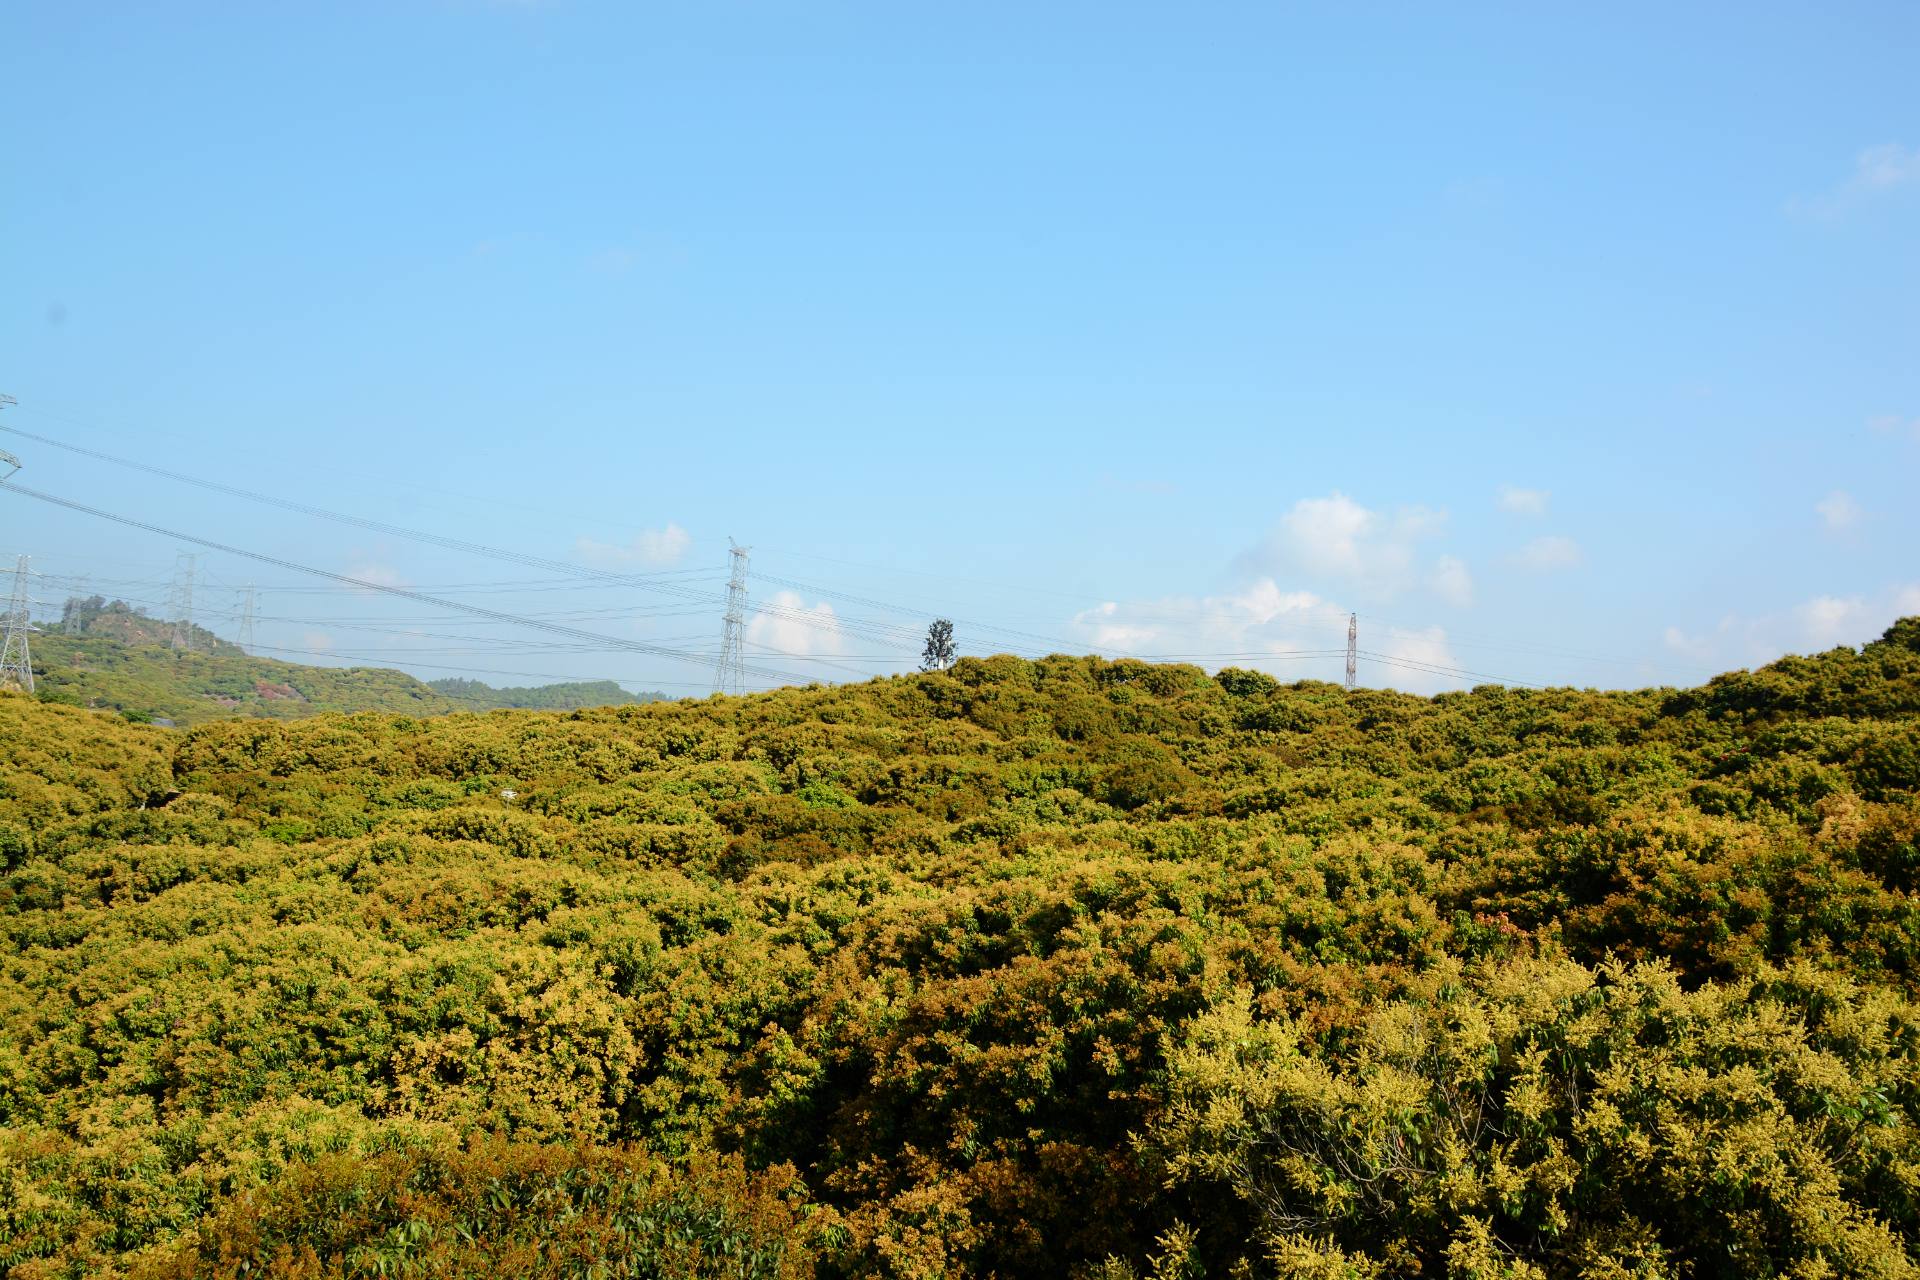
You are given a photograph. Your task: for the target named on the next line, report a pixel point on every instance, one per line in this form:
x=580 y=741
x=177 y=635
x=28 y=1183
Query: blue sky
x=1571 y=347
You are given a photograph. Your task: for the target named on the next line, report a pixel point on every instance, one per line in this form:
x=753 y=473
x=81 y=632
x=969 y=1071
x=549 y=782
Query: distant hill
x=109 y=655
x=104 y=619
x=567 y=696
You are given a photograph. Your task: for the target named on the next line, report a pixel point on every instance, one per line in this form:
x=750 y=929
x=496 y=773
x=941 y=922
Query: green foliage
x=500 y=1209
x=940 y=650
x=1539 y=1118
x=1065 y=967
x=565 y=696
x=191 y=687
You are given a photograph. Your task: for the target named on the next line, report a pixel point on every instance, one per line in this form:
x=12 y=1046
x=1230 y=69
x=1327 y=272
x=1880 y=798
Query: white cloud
x=1326 y=535
x=1451 y=581
x=1839 y=510
x=1337 y=539
x=1892 y=423
x=376 y=574
x=649 y=546
x=1811 y=626
x=1549 y=552
x=1523 y=502
x=1876 y=170
x=1884 y=166
x=1294 y=635
x=1262 y=619
x=1699 y=648
x=1426 y=646
x=318 y=641
x=786 y=623
x=1828 y=620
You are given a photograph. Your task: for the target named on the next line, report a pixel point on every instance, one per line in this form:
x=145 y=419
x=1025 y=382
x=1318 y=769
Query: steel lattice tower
x=180 y=600
x=16 y=656
x=729 y=674
x=1353 y=649
x=246 y=620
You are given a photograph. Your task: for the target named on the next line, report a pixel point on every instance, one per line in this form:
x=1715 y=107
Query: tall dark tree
x=940 y=651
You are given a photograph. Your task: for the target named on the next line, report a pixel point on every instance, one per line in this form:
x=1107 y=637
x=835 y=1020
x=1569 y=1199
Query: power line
x=491 y=502
x=409 y=627
x=1294 y=621
x=649 y=582
x=405 y=627
x=478 y=611
x=490 y=671
x=674 y=582
x=361 y=522
x=911 y=636
x=7 y=460
x=1434 y=668
x=880 y=631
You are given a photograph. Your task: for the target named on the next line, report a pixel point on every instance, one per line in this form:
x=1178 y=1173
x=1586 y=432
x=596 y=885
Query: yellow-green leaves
x=1056 y=968
x=1534 y=1119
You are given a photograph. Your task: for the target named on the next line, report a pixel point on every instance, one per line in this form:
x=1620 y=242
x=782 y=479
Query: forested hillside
x=569 y=695
x=1056 y=968
x=190 y=687
x=99 y=618
x=108 y=656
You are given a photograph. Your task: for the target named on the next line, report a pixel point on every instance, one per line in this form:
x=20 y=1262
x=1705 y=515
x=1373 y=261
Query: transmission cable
x=478 y=611
x=645 y=581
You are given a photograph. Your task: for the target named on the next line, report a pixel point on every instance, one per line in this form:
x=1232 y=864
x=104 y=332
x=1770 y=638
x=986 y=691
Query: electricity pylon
x=246 y=620
x=180 y=600
x=1353 y=650
x=16 y=657
x=729 y=674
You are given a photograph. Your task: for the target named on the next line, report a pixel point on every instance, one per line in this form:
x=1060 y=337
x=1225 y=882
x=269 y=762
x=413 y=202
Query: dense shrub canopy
x=1065 y=967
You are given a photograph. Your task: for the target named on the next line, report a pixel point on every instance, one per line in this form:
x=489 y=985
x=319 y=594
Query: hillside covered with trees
x=1057 y=968
x=568 y=695
x=107 y=655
